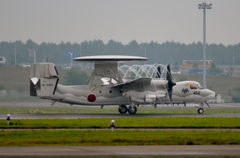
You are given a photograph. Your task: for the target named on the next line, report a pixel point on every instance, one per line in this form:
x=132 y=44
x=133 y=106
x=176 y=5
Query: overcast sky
x=120 y=20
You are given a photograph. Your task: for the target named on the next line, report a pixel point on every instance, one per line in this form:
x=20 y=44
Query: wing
x=144 y=81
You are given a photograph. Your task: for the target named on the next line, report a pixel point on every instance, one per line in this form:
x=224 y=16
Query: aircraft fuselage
x=105 y=95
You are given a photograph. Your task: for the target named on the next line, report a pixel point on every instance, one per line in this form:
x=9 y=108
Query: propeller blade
x=170 y=95
x=170 y=83
x=169 y=75
x=159 y=72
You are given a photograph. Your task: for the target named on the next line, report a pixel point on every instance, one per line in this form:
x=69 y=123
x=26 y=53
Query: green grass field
x=168 y=122
x=37 y=132
x=116 y=137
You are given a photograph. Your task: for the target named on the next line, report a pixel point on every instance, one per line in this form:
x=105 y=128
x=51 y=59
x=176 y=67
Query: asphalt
x=76 y=116
x=47 y=105
x=123 y=151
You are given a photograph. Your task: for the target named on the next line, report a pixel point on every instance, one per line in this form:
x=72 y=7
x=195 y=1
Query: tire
x=200 y=111
x=122 y=109
x=132 y=111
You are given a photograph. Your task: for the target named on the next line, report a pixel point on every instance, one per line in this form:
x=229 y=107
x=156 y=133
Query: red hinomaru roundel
x=91 y=97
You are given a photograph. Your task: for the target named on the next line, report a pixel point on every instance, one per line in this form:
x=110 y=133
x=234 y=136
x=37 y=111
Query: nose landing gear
x=200 y=111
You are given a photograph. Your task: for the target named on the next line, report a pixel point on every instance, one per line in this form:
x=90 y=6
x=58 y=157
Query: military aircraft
x=107 y=87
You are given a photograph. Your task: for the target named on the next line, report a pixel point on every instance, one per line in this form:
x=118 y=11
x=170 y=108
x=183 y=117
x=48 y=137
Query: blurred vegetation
x=75 y=78
x=236 y=99
x=214 y=70
x=182 y=78
x=167 y=52
x=1 y=87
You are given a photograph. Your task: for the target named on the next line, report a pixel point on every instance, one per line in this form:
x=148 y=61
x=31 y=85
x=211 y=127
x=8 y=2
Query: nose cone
x=210 y=94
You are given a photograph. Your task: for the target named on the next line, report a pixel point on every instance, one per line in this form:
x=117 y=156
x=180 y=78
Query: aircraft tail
x=44 y=78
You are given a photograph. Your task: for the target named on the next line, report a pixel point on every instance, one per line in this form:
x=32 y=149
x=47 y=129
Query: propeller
x=170 y=83
x=158 y=72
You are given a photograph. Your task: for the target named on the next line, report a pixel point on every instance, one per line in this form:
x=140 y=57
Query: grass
x=37 y=132
x=111 y=138
x=166 y=122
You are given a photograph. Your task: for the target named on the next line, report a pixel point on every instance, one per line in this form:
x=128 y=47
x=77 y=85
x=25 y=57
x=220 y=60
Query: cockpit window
x=199 y=86
x=193 y=86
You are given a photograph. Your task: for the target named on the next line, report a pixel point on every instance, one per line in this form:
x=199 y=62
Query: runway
x=123 y=151
x=76 y=116
x=46 y=105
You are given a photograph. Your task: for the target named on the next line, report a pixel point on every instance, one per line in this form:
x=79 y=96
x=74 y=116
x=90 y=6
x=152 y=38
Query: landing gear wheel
x=200 y=111
x=122 y=109
x=132 y=110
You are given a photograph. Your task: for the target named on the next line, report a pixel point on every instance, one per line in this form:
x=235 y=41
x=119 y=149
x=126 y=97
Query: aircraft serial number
x=47 y=84
x=196 y=92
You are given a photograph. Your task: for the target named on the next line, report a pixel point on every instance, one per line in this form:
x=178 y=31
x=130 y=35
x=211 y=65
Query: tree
x=214 y=70
x=175 y=67
x=76 y=78
x=238 y=90
x=1 y=87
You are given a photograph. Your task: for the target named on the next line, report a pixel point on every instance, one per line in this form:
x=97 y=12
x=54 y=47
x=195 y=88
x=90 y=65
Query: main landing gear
x=123 y=109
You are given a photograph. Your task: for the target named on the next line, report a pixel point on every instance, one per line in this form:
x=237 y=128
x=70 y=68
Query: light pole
x=71 y=54
x=15 y=53
x=233 y=60
x=204 y=6
x=32 y=52
x=145 y=54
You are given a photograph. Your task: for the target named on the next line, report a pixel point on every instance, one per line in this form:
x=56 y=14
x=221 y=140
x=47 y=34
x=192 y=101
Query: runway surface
x=99 y=151
x=46 y=105
x=76 y=116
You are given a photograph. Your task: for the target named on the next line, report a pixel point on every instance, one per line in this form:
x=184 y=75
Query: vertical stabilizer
x=43 y=79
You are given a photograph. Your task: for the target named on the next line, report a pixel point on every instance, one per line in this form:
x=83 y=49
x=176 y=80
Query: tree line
x=167 y=52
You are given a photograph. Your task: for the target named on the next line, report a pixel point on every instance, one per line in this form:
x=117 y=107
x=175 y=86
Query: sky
x=75 y=21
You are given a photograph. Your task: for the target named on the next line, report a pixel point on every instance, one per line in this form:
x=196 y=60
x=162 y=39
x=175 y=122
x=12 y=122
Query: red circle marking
x=91 y=97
